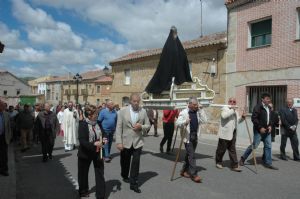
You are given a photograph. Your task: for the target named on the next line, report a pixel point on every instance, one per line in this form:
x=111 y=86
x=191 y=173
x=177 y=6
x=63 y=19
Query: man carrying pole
x=262 y=127
x=191 y=118
x=227 y=135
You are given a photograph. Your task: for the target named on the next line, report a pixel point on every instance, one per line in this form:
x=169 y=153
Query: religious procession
x=196 y=116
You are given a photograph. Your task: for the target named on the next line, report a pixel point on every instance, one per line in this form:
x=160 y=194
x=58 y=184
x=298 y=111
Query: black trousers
x=3 y=154
x=190 y=161
x=83 y=176
x=229 y=145
x=294 y=143
x=132 y=164
x=47 y=142
x=168 y=135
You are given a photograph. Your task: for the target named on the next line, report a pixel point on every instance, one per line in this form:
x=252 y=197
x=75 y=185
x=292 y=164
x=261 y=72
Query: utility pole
x=201 y=31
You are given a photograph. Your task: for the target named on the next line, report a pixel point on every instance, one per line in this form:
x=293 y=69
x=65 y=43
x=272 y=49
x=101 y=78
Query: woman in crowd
x=91 y=142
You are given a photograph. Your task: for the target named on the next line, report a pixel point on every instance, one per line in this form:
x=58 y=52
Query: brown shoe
x=196 y=179
x=236 y=169
x=185 y=174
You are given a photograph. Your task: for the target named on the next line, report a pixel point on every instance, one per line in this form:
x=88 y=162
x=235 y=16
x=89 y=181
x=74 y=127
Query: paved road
x=57 y=179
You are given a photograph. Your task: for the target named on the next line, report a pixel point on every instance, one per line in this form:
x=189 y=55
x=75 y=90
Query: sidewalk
x=8 y=184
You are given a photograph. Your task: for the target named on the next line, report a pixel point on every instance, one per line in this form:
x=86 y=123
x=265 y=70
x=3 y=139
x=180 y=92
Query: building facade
x=263 y=53
x=11 y=88
x=94 y=88
x=132 y=72
x=35 y=87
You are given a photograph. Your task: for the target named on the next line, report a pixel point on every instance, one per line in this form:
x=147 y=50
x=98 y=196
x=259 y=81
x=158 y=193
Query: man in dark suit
x=289 y=119
x=262 y=128
x=132 y=123
x=5 y=138
x=48 y=126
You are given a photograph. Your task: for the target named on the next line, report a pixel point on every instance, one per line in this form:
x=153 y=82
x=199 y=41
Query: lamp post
x=77 y=78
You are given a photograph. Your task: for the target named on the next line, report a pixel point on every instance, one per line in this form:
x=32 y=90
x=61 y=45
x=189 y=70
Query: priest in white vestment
x=70 y=127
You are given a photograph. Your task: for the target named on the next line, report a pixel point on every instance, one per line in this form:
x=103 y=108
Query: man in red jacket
x=168 y=126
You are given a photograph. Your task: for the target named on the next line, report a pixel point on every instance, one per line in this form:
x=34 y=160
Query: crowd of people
x=92 y=129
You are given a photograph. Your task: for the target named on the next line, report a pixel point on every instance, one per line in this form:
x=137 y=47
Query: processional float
x=172 y=85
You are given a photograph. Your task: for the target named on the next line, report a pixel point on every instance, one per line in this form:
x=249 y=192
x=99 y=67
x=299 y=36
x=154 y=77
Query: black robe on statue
x=173 y=63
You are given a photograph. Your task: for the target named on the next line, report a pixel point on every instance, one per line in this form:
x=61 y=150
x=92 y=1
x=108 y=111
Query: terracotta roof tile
x=207 y=40
x=104 y=79
x=92 y=74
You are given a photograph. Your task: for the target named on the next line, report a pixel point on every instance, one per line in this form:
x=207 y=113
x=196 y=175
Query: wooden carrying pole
x=179 y=150
x=175 y=139
x=251 y=143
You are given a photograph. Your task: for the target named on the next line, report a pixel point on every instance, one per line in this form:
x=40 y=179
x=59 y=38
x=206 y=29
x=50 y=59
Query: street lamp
x=77 y=78
x=106 y=70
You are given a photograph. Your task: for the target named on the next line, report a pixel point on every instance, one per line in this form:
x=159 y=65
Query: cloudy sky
x=54 y=37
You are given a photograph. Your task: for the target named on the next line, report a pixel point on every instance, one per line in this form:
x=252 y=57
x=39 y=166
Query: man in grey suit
x=132 y=123
x=5 y=137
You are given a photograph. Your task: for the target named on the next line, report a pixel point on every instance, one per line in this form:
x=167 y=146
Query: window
x=84 y=92
x=261 y=33
x=48 y=95
x=98 y=89
x=298 y=24
x=127 y=76
x=18 y=91
x=5 y=92
x=278 y=95
x=125 y=101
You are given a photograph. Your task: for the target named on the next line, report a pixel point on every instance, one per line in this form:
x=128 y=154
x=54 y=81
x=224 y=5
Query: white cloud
x=27 y=54
x=107 y=50
x=43 y=29
x=146 y=23
x=141 y=24
x=11 y=38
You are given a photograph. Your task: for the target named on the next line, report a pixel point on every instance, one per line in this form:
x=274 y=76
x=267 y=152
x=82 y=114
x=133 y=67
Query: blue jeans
x=266 y=138
x=107 y=147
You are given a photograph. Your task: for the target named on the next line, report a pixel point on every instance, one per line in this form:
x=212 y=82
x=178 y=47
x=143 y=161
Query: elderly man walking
x=47 y=125
x=70 y=126
x=227 y=135
x=108 y=120
x=289 y=119
x=132 y=123
x=191 y=118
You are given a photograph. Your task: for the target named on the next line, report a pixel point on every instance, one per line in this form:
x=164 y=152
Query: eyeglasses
x=232 y=101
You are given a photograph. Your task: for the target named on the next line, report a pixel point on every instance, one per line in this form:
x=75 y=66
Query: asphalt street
x=57 y=179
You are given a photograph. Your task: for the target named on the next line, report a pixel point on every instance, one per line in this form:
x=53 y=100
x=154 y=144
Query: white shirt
x=268 y=113
x=134 y=115
x=36 y=114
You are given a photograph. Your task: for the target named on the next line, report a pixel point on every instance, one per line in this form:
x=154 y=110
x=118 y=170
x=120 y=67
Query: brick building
x=263 y=52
